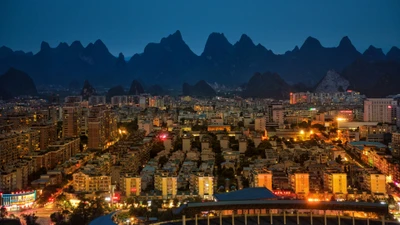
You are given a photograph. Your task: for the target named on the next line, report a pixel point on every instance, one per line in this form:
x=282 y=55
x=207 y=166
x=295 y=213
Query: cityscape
x=235 y=135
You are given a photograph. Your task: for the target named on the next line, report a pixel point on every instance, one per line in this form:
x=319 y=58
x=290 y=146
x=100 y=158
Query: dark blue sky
x=128 y=25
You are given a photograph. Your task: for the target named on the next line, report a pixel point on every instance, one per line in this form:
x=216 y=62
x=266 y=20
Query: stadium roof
x=257 y=193
x=368 y=143
x=195 y=207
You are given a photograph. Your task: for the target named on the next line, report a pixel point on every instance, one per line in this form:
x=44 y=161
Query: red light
x=389 y=106
x=133 y=189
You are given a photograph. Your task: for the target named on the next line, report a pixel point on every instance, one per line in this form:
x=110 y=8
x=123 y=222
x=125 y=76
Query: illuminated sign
x=313 y=109
x=18 y=199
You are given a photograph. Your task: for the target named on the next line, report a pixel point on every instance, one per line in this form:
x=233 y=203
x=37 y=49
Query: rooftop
x=257 y=193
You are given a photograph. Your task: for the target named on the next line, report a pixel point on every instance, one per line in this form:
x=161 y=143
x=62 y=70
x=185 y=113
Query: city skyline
x=128 y=26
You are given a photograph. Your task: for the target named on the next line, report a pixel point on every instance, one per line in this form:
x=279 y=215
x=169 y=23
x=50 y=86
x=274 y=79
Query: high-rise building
x=205 y=186
x=381 y=110
x=71 y=121
x=300 y=183
x=47 y=134
x=375 y=182
x=260 y=123
x=131 y=185
x=167 y=184
x=17 y=144
x=335 y=183
x=96 y=139
x=262 y=178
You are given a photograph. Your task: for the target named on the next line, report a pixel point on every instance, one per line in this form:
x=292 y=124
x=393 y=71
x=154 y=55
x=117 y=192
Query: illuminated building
x=15 y=177
x=17 y=144
x=375 y=182
x=335 y=183
x=131 y=185
x=91 y=182
x=381 y=110
x=18 y=200
x=167 y=184
x=396 y=143
x=205 y=185
x=260 y=123
x=71 y=121
x=48 y=134
x=219 y=128
x=262 y=178
x=102 y=127
x=300 y=183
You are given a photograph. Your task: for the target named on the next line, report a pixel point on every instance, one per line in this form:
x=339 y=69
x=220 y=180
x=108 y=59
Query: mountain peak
x=393 y=54
x=175 y=37
x=245 y=41
x=216 y=44
x=373 y=53
x=44 y=46
x=311 y=43
x=77 y=45
x=99 y=43
x=345 y=43
x=62 y=45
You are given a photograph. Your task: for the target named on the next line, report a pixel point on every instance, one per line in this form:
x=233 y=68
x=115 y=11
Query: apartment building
x=375 y=183
x=300 y=183
x=204 y=185
x=261 y=178
x=167 y=184
x=14 y=145
x=335 y=183
x=91 y=182
x=381 y=110
x=130 y=185
x=71 y=121
x=47 y=134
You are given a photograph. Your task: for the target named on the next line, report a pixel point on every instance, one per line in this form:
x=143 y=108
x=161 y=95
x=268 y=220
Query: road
x=42 y=213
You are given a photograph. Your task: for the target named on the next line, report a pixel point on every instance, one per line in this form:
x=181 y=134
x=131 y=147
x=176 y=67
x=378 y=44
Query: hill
x=201 y=88
x=15 y=83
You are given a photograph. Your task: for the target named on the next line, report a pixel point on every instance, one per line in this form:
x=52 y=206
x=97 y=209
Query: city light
x=302 y=132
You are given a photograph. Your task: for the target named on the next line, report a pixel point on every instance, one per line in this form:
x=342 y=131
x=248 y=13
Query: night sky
x=128 y=25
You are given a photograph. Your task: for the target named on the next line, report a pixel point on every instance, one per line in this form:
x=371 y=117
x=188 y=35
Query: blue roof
x=103 y=220
x=257 y=193
x=362 y=143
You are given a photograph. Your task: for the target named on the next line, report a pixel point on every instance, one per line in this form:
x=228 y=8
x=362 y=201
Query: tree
x=3 y=212
x=162 y=160
x=30 y=219
x=156 y=147
x=58 y=218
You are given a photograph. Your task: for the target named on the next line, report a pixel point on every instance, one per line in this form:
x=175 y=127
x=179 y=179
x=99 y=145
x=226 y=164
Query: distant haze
x=128 y=25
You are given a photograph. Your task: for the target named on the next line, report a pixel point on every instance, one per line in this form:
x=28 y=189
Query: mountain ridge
x=171 y=61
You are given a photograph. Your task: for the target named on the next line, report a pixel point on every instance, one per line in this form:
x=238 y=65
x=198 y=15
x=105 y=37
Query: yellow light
x=340 y=119
x=302 y=132
x=311 y=132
